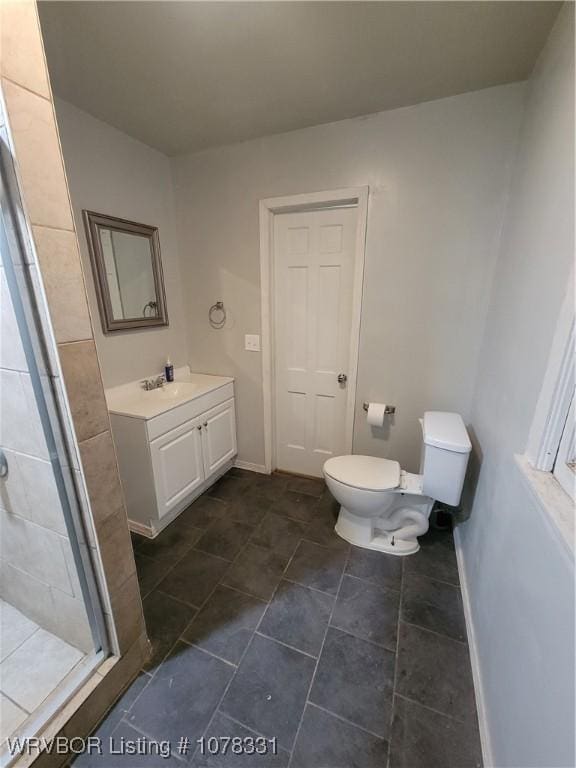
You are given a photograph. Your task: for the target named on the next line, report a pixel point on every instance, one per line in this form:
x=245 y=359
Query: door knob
x=342 y=378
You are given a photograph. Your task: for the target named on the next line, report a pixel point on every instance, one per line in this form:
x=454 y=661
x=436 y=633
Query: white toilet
x=385 y=508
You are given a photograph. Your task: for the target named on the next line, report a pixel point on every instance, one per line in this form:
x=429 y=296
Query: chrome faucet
x=150 y=384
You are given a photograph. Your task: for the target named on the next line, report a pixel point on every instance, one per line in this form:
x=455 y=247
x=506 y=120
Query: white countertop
x=132 y=400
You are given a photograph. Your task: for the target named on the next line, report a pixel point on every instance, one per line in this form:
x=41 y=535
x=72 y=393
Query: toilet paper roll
x=376 y=413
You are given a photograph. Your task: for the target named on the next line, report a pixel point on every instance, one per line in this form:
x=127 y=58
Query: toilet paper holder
x=390 y=410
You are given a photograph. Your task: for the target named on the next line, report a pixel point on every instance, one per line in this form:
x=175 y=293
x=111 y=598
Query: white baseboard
x=143 y=530
x=474 y=657
x=251 y=467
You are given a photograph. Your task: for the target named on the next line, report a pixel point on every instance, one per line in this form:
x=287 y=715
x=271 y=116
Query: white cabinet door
x=219 y=436
x=177 y=464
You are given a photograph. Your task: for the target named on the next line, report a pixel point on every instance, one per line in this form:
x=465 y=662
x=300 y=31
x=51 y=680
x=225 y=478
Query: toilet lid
x=367 y=472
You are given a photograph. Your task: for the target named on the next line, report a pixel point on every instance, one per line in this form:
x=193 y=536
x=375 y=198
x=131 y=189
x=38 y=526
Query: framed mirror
x=127 y=271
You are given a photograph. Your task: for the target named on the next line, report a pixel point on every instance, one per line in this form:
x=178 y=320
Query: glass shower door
x=52 y=630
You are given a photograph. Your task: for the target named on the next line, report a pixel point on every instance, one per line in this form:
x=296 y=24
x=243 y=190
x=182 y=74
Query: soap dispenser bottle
x=169 y=370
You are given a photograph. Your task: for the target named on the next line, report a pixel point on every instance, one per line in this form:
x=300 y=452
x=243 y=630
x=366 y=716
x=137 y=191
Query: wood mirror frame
x=93 y=222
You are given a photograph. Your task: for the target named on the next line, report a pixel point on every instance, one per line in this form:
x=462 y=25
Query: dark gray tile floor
x=263 y=622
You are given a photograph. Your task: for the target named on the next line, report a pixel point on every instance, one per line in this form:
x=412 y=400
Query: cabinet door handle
x=206 y=424
x=199 y=426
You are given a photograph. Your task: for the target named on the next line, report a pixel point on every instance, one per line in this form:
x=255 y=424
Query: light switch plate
x=252 y=342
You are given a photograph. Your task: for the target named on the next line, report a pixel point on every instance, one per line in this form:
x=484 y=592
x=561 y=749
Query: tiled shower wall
x=40 y=170
x=37 y=572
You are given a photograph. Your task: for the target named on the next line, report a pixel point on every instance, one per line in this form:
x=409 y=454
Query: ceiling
x=184 y=76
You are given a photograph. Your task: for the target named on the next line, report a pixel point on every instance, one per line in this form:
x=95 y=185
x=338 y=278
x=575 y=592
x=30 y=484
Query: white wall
x=109 y=172
x=519 y=572
x=438 y=174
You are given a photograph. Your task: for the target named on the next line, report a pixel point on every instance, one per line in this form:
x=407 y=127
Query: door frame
x=314 y=201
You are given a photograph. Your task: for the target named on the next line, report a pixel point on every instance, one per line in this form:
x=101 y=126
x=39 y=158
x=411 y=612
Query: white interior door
x=313 y=292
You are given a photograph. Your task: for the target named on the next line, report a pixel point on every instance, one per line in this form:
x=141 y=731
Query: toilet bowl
x=384 y=508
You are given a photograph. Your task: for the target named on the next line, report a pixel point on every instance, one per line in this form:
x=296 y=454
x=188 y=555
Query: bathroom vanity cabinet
x=172 y=443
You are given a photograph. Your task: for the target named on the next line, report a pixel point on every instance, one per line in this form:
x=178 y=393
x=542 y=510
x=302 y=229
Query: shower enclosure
x=52 y=629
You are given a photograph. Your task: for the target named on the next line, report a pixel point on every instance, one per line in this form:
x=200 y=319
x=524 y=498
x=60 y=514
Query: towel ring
x=217 y=322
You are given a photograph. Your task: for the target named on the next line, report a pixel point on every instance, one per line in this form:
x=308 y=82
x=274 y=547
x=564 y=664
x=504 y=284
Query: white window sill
x=551 y=497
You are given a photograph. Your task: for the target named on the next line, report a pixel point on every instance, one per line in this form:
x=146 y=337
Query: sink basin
x=172 y=391
x=132 y=400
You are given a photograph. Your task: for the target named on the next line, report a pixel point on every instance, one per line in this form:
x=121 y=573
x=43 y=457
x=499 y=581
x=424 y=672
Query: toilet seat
x=369 y=473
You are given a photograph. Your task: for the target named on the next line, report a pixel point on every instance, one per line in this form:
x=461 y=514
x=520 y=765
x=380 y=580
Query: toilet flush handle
x=342 y=378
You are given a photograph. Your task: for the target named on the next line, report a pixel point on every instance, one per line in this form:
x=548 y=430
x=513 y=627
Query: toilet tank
x=445 y=450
